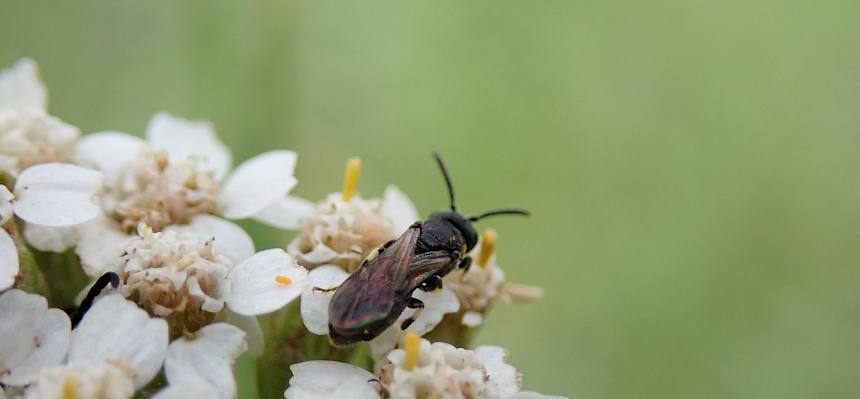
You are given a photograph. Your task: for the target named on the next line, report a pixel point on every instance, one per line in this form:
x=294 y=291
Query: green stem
x=67 y=278
x=288 y=342
x=30 y=277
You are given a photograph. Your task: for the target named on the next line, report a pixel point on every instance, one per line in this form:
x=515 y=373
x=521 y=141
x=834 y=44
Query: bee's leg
x=465 y=263
x=431 y=284
x=325 y=290
x=413 y=303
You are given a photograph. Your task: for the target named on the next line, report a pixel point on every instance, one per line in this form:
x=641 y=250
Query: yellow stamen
x=350 y=178
x=488 y=246
x=284 y=280
x=69 y=386
x=412 y=345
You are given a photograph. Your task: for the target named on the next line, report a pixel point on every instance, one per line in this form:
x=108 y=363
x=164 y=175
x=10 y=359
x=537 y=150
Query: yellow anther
x=412 y=345
x=69 y=386
x=350 y=178
x=488 y=246
x=283 y=280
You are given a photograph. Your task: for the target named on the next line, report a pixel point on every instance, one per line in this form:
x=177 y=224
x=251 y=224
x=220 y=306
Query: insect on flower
x=375 y=295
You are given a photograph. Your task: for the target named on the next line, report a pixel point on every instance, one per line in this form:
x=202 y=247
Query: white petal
x=6 y=209
x=255 y=290
x=117 y=330
x=397 y=207
x=230 y=240
x=286 y=213
x=21 y=87
x=100 y=246
x=258 y=183
x=8 y=260
x=50 y=239
x=108 y=151
x=320 y=379
x=55 y=194
x=321 y=253
x=472 y=319
x=34 y=337
x=253 y=332
x=502 y=375
x=436 y=304
x=190 y=388
x=208 y=356
x=184 y=139
x=314 y=306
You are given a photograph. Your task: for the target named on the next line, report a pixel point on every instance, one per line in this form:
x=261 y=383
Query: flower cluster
x=122 y=273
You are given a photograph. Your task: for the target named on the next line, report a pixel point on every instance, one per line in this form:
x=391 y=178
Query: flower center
x=350 y=178
x=488 y=246
x=152 y=190
x=412 y=346
x=176 y=276
x=283 y=280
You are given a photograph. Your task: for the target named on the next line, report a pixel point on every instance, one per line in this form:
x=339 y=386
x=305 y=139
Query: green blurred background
x=692 y=166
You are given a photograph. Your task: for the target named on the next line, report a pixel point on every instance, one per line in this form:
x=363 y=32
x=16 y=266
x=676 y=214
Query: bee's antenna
x=447 y=179
x=500 y=211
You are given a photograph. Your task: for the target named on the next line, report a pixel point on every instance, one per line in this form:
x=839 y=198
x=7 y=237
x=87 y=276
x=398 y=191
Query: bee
x=372 y=298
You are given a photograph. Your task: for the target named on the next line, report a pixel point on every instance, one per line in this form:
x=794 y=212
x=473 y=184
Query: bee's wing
x=372 y=291
x=427 y=264
x=394 y=261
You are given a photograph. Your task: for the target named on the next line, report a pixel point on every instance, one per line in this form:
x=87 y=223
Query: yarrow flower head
x=420 y=369
x=176 y=275
x=344 y=228
x=177 y=177
x=28 y=135
x=483 y=284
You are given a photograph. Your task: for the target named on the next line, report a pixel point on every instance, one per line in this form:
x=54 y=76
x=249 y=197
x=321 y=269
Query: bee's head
x=461 y=224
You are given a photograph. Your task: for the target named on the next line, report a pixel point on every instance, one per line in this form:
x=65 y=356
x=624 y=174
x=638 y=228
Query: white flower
x=179 y=173
x=34 y=337
x=21 y=87
x=206 y=358
x=175 y=179
x=343 y=232
x=483 y=285
x=83 y=380
x=115 y=349
x=56 y=195
x=176 y=275
x=28 y=135
x=439 y=370
x=321 y=379
x=117 y=331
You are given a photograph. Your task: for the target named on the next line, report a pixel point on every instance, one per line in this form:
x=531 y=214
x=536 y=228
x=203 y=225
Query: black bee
x=375 y=295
